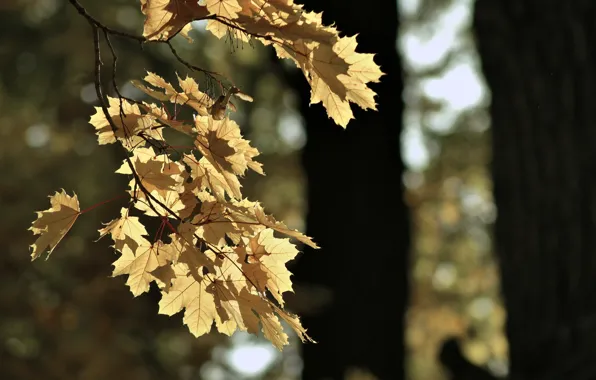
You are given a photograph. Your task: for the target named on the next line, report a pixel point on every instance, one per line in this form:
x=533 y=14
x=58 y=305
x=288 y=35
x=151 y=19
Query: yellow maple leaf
x=206 y=177
x=269 y=221
x=156 y=172
x=294 y=322
x=165 y=18
x=190 y=294
x=193 y=97
x=222 y=144
x=263 y=259
x=224 y=8
x=162 y=117
x=53 y=224
x=189 y=93
x=183 y=250
x=129 y=122
x=212 y=223
x=242 y=213
x=227 y=154
x=337 y=74
x=227 y=10
x=181 y=204
x=218 y=141
x=246 y=219
x=254 y=309
x=140 y=264
x=126 y=230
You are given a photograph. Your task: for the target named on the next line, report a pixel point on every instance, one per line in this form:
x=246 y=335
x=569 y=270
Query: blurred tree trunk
x=539 y=59
x=356 y=212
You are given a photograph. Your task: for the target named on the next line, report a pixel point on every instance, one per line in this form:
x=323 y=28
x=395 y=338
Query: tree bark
x=539 y=61
x=356 y=212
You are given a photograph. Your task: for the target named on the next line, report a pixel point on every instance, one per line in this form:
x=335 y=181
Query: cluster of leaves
x=336 y=73
x=215 y=254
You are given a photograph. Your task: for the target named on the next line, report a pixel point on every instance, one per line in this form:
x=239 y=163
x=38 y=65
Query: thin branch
x=140 y=39
x=210 y=74
x=101 y=204
x=191 y=66
x=100 y=96
x=114 y=66
x=83 y=12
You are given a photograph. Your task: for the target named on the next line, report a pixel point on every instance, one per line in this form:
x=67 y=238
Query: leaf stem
x=159 y=232
x=101 y=204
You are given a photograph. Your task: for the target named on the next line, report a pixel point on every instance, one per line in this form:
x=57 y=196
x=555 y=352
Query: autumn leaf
x=139 y=265
x=269 y=221
x=166 y=18
x=165 y=203
x=161 y=115
x=156 y=172
x=183 y=250
x=254 y=305
x=221 y=142
x=294 y=322
x=206 y=177
x=129 y=122
x=189 y=93
x=192 y=295
x=217 y=141
x=53 y=224
x=126 y=230
x=224 y=8
x=212 y=223
x=263 y=259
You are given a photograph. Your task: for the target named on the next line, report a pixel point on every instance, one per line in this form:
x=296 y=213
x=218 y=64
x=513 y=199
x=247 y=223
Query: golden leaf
x=224 y=8
x=165 y=18
x=126 y=230
x=156 y=172
x=129 y=122
x=263 y=259
x=189 y=95
x=139 y=264
x=182 y=204
x=269 y=221
x=53 y=224
x=190 y=294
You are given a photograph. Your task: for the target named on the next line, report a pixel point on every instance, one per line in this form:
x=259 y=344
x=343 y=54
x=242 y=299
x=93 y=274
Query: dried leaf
x=165 y=18
x=126 y=230
x=53 y=224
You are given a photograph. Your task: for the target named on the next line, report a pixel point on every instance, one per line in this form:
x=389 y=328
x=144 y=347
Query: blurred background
x=65 y=318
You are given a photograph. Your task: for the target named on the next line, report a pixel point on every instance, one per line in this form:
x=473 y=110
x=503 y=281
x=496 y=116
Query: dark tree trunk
x=356 y=212
x=539 y=58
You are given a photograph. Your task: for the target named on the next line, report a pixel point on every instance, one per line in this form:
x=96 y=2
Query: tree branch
x=99 y=92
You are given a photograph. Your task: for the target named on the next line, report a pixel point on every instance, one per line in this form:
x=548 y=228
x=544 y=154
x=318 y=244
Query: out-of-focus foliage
x=66 y=318
x=454 y=276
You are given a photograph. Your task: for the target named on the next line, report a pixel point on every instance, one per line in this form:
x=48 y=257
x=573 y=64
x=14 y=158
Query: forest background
x=66 y=319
